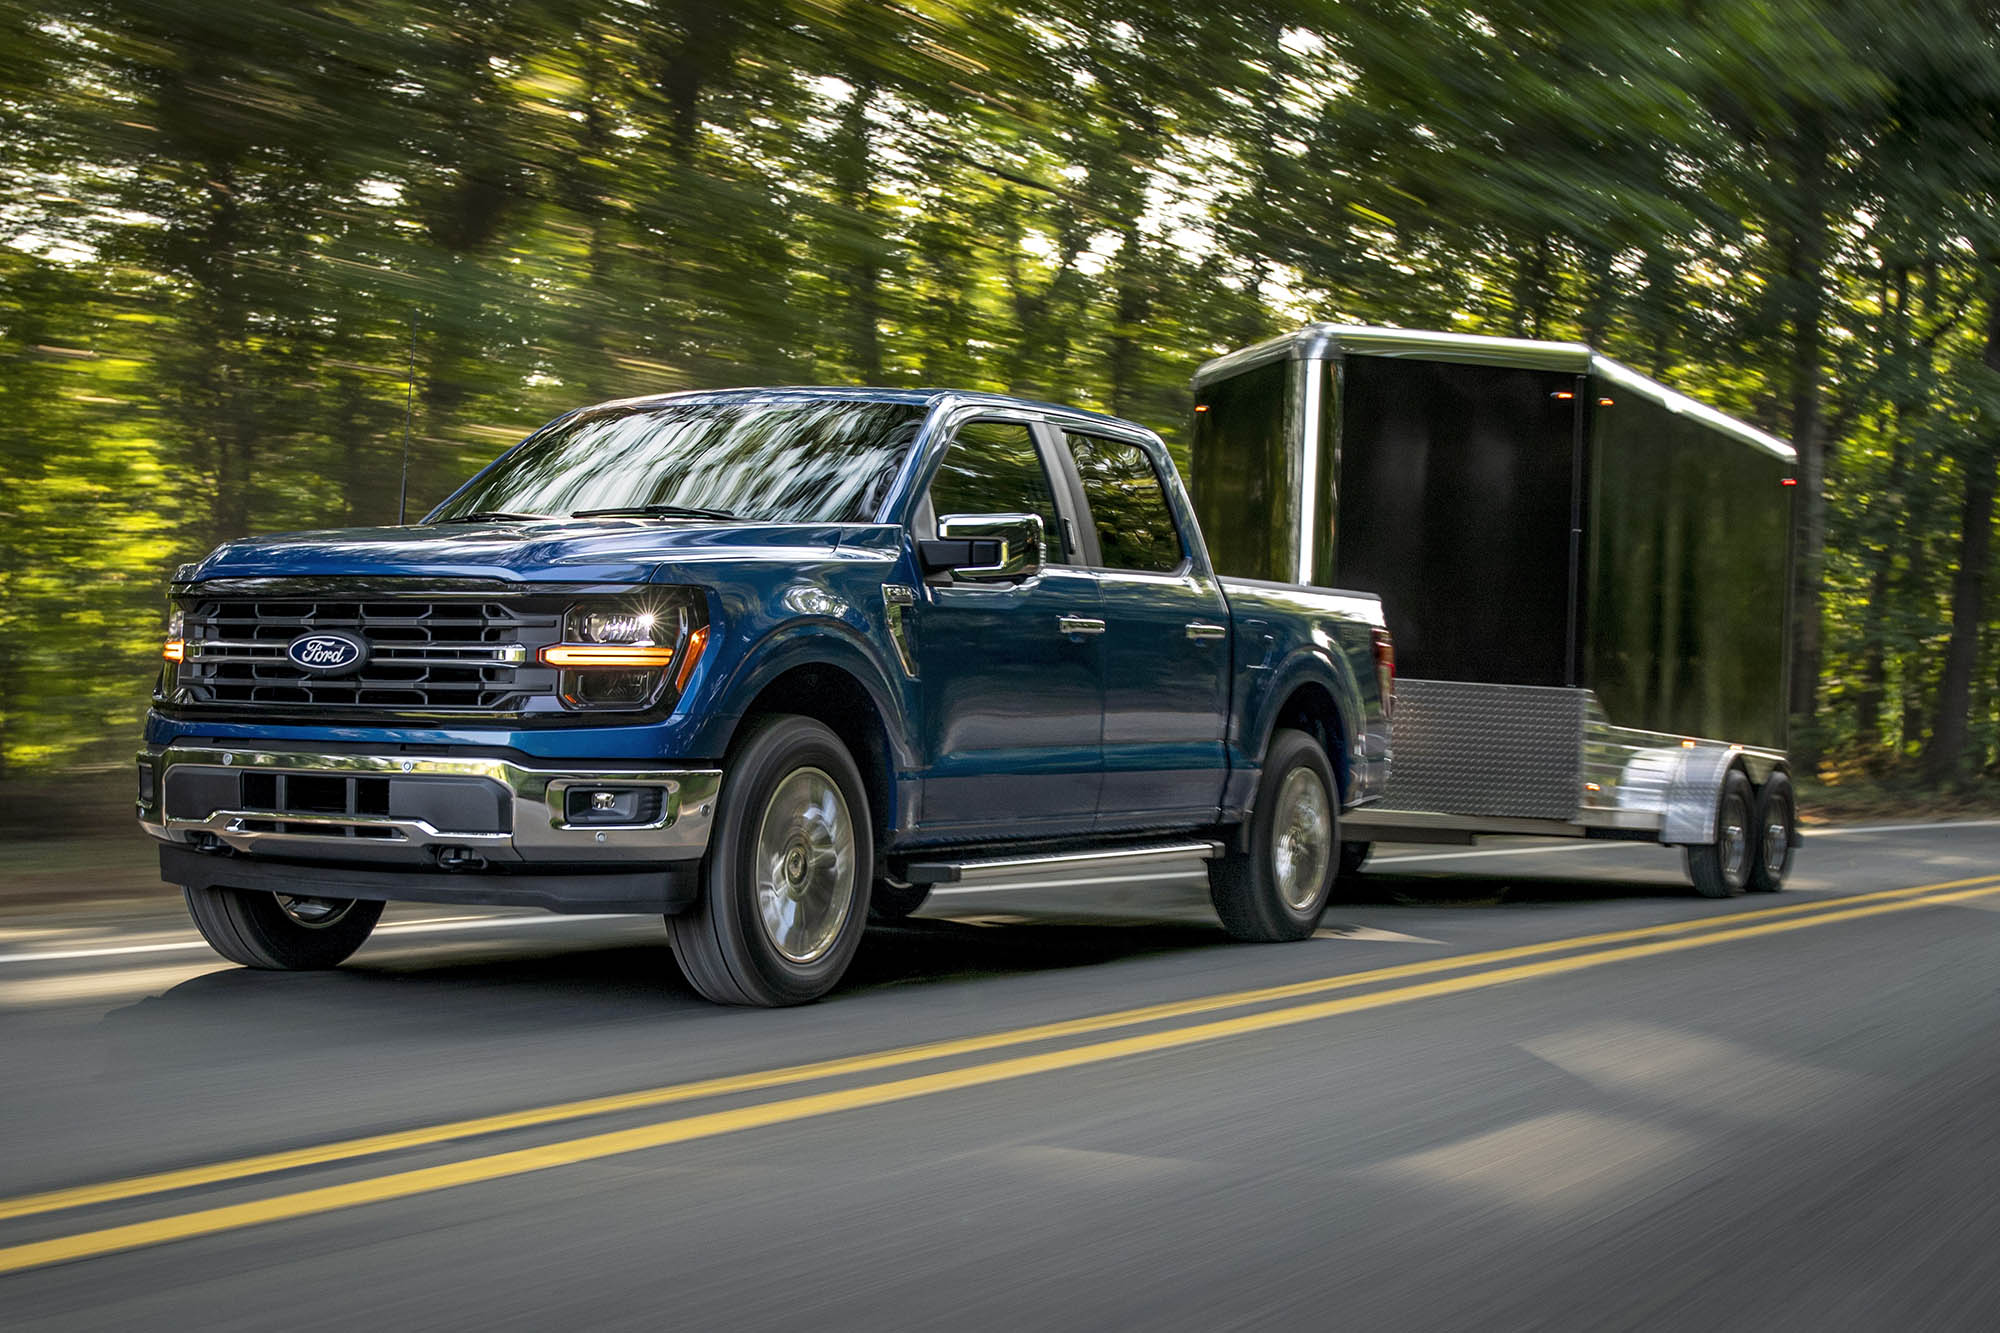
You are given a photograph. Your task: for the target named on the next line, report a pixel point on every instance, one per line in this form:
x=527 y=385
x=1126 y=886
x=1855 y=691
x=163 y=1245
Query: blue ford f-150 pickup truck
x=767 y=662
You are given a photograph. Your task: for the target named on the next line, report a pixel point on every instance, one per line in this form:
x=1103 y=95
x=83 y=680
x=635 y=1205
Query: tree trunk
x=1945 y=757
x=1805 y=262
x=861 y=242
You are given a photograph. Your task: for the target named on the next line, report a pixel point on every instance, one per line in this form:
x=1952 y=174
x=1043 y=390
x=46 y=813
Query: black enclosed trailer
x=1585 y=574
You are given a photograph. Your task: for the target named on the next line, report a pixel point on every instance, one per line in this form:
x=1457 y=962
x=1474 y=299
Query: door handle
x=1079 y=625
x=1200 y=630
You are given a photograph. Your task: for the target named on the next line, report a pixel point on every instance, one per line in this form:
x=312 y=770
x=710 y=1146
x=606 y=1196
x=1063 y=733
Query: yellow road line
x=160 y=1182
x=498 y=1166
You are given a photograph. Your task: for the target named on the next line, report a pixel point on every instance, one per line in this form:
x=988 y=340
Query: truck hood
x=541 y=551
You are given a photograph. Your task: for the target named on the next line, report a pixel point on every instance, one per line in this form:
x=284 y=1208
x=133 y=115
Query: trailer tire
x=1277 y=888
x=891 y=900
x=294 y=933
x=1721 y=869
x=785 y=884
x=1775 y=831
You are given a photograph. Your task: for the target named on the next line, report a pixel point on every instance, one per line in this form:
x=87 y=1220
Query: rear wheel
x=281 y=932
x=785 y=884
x=1721 y=869
x=1277 y=889
x=1776 y=826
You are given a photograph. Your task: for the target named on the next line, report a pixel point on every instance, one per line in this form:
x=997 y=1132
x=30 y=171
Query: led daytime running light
x=619 y=656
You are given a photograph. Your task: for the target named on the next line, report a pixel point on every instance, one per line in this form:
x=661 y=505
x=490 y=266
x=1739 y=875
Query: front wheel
x=1277 y=889
x=785 y=884
x=1721 y=869
x=281 y=932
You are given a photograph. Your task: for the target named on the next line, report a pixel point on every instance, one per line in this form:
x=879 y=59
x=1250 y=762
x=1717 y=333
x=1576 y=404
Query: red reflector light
x=1789 y=481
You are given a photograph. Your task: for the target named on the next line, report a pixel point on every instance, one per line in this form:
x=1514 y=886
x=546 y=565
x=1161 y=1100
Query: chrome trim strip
x=439 y=655
x=536 y=795
x=1079 y=625
x=1000 y=867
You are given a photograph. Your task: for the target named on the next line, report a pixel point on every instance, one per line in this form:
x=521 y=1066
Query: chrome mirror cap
x=986 y=547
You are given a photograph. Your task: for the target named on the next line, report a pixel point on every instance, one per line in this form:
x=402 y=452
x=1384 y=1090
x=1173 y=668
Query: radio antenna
x=409 y=407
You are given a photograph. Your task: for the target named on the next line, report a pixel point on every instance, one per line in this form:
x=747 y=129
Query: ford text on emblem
x=328 y=652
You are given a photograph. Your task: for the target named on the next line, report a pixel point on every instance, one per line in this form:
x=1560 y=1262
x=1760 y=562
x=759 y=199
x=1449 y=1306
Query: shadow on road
x=524 y=986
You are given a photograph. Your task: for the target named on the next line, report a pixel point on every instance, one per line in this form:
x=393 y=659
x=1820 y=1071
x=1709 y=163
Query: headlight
x=624 y=654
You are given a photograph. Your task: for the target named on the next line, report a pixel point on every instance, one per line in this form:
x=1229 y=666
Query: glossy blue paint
x=1008 y=729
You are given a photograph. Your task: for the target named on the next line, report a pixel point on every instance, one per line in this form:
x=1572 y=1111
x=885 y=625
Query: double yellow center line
x=1493 y=968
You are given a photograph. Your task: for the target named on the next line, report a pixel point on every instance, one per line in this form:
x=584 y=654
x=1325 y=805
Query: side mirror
x=986 y=547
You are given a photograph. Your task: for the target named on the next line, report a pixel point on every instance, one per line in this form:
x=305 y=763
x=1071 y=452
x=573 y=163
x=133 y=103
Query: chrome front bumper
x=531 y=825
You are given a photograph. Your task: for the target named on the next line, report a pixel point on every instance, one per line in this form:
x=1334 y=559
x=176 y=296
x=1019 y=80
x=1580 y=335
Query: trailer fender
x=1694 y=789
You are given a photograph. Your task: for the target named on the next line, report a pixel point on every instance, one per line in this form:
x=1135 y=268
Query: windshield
x=777 y=460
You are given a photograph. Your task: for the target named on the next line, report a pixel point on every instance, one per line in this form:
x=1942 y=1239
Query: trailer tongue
x=1585 y=573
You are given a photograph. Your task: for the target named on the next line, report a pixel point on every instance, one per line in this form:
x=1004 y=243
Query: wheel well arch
x=1311 y=707
x=836 y=698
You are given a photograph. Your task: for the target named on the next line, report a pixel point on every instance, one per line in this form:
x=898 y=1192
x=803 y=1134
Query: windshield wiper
x=652 y=511
x=493 y=516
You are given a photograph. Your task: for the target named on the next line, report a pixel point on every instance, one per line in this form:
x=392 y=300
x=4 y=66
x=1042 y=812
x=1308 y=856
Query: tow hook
x=458 y=858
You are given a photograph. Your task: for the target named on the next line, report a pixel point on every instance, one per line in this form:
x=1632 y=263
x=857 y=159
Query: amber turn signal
x=624 y=656
x=175 y=650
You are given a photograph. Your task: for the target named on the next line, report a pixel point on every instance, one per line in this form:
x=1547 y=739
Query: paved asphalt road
x=1535 y=1086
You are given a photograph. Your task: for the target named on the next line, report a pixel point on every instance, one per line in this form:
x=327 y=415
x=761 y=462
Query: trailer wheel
x=1278 y=889
x=281 y=932
x=892 y=900
x=1775 y=826
x=1721 y=869
x=784 y=894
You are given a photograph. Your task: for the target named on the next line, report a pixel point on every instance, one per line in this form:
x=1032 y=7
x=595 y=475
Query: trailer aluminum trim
x=1319 y=342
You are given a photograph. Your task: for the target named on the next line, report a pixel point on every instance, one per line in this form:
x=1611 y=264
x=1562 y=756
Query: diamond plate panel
x=1469 y=749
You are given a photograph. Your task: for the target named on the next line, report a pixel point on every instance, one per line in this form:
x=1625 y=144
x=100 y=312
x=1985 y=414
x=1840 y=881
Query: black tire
x=1774 y=833
x=723 y=944
x=1721 y=869
x=1354 y=855
x=892 y=900
x=256 y=929
x=1248 y=888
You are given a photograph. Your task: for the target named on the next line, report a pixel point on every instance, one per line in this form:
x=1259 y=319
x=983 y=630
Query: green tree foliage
x=229 y=234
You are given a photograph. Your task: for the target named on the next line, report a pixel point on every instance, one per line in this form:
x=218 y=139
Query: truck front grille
x=424 y=655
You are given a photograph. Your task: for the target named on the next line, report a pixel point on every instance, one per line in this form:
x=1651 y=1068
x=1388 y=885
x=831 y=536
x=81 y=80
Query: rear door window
x=1128 y=505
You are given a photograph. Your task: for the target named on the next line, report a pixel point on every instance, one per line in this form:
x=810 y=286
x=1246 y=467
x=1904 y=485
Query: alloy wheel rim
x=1777 y=844
x=314 y=913
x=1301 y=837
x=804 y=866
x=1735 y=838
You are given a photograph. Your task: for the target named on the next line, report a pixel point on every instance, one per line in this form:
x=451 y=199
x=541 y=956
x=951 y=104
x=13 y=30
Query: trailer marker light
x=1789 y=481
x=1562 y=395
x=1604 y=402
x=1201 y=407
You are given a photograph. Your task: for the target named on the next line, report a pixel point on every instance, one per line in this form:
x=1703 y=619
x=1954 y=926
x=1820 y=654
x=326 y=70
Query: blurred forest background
x=234 y=232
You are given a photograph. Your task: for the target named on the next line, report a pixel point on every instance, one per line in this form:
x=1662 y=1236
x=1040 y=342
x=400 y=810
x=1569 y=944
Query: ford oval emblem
x=328 y=652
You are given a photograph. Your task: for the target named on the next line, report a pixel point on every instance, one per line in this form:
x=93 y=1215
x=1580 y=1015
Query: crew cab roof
x=915 y=397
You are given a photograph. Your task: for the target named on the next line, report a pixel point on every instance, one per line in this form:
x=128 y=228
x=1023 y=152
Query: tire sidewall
x=765 y=760
x=1776 y=788
x=1291 y=750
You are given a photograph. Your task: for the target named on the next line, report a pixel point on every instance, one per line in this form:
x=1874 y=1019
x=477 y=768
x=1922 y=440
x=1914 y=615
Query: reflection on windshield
x=780 y=460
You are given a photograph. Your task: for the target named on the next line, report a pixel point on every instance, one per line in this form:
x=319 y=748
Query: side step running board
x=1010 y=867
